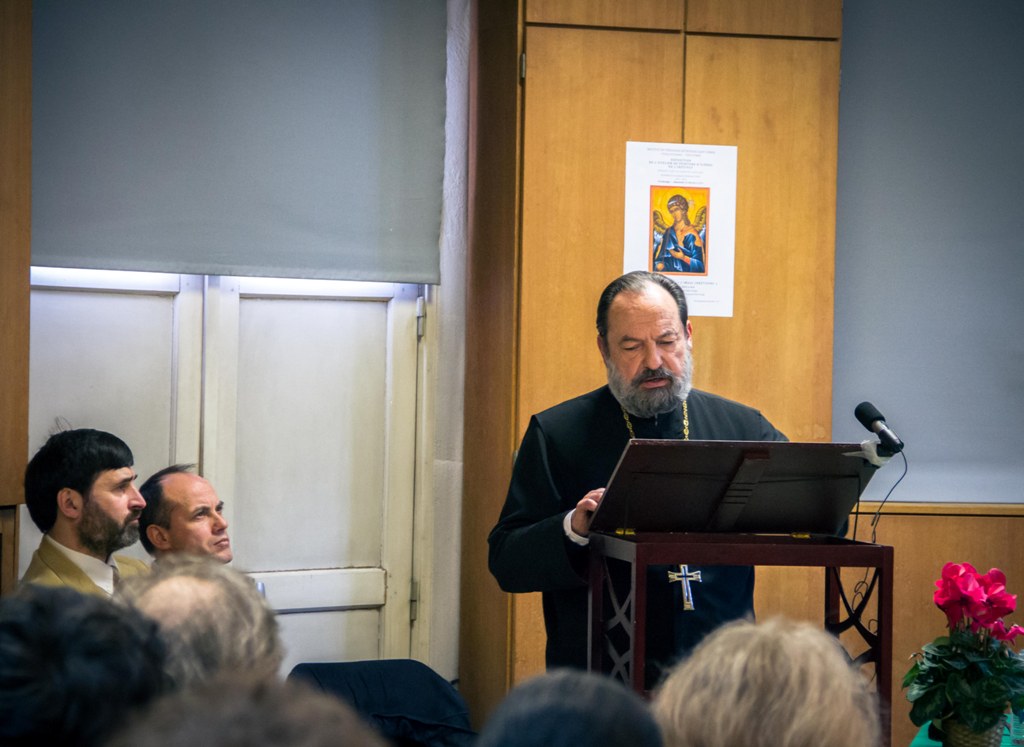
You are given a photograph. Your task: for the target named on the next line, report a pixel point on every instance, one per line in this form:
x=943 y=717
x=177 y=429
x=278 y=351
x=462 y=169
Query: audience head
x=73 y=666
x=80 y=486
x=571 y=708
x=183 y=514
x=248 y=711
x=213 y=618
x=775 y=684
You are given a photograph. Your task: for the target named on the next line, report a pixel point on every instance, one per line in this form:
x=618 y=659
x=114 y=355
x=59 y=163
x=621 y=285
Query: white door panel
x=121 y=357
x=310 y=433
x=324 y=590
x=330 y=636
x=309 y=417
x=298 y=401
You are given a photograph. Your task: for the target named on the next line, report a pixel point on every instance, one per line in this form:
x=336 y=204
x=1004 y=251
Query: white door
x=296 y=398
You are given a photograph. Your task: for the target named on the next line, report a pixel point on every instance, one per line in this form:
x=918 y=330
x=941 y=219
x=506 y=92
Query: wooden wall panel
x=574 y=157
x=15 y=236
x=574 y=160
x=650 y=14
x=485 y=612
x=924 y=537
x=777 y=100
x=801 y=18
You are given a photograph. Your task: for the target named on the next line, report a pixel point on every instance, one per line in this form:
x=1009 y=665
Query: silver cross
x=684 y=576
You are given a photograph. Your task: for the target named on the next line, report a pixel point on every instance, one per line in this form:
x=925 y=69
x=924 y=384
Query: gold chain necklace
x=686 y=422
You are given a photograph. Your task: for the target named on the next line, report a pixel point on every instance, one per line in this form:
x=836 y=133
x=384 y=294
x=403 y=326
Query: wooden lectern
x=732 y=503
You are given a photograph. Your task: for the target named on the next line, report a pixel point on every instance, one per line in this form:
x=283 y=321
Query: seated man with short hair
x=80 y=492
x=183 y=514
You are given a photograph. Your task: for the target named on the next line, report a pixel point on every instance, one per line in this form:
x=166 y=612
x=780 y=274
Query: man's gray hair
x=212 y=617
x=790 y=681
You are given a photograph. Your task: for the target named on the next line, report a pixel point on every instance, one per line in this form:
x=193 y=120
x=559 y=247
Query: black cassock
x=571 y=449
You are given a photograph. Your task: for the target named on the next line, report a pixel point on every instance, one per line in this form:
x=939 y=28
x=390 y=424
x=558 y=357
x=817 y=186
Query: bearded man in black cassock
x=570 y=451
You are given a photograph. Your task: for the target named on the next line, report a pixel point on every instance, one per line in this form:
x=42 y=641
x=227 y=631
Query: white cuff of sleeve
x=576 y=539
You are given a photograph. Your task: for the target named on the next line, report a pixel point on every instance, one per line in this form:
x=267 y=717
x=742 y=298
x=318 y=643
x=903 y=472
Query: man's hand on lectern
x=584 y=512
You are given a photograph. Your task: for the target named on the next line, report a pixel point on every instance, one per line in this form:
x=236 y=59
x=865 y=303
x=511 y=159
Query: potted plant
x=967 y=680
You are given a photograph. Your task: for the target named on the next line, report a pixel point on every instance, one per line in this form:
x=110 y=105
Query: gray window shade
x=291 y=138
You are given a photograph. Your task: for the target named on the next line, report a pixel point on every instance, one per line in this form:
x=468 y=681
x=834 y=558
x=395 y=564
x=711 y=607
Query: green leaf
x=930 y=705
x=910 y=676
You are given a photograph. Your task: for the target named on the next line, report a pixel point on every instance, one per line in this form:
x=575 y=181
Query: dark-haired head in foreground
x=571 y=708
x=72 y=667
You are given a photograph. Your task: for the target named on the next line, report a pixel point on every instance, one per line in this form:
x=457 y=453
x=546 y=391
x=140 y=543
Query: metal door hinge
x=421 y=316
x=414 y=601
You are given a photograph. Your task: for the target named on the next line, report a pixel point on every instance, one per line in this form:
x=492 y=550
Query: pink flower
x=975 y=601
x=958 y=592
x=993 y=607
x=994 y=576
x=1000 y=633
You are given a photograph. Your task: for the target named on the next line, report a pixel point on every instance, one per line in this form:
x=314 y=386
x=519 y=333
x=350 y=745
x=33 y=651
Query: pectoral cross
x=684 y=576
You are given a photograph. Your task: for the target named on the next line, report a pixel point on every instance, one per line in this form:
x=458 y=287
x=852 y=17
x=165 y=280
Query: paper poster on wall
x=681 y=219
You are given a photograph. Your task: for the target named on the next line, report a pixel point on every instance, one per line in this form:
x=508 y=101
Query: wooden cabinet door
x=820 y=19
x=650 y=14
x=777 y=100
x=587 y=92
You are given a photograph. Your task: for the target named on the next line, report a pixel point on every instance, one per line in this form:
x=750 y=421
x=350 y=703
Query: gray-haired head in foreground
x=764 y=685
x=571 y=708
x=248 y=711
x=212 y=617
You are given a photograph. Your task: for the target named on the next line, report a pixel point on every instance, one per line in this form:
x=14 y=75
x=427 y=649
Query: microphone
x=874 y=421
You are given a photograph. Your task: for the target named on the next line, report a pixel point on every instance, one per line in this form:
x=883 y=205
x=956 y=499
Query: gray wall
x=929 y=318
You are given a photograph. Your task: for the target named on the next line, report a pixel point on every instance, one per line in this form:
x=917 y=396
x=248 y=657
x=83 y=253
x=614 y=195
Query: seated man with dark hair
x=183 y=514
x=80 y=492
x=73 y=666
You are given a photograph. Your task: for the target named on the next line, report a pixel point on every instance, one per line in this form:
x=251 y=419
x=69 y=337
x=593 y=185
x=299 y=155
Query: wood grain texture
x=15 y=257
x=777 y=101
x=588 y=92
x=485 y=612
x=802 y=18
x=15 y=237
x=924 y=537
x=574 y=149
x=8 y=549
x=645 y=14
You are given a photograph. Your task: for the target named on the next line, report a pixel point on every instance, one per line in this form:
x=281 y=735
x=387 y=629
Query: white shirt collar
x=100 y=573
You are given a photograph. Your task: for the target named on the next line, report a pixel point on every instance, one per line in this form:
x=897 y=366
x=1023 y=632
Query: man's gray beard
x=103 y=536
x=646 y=403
